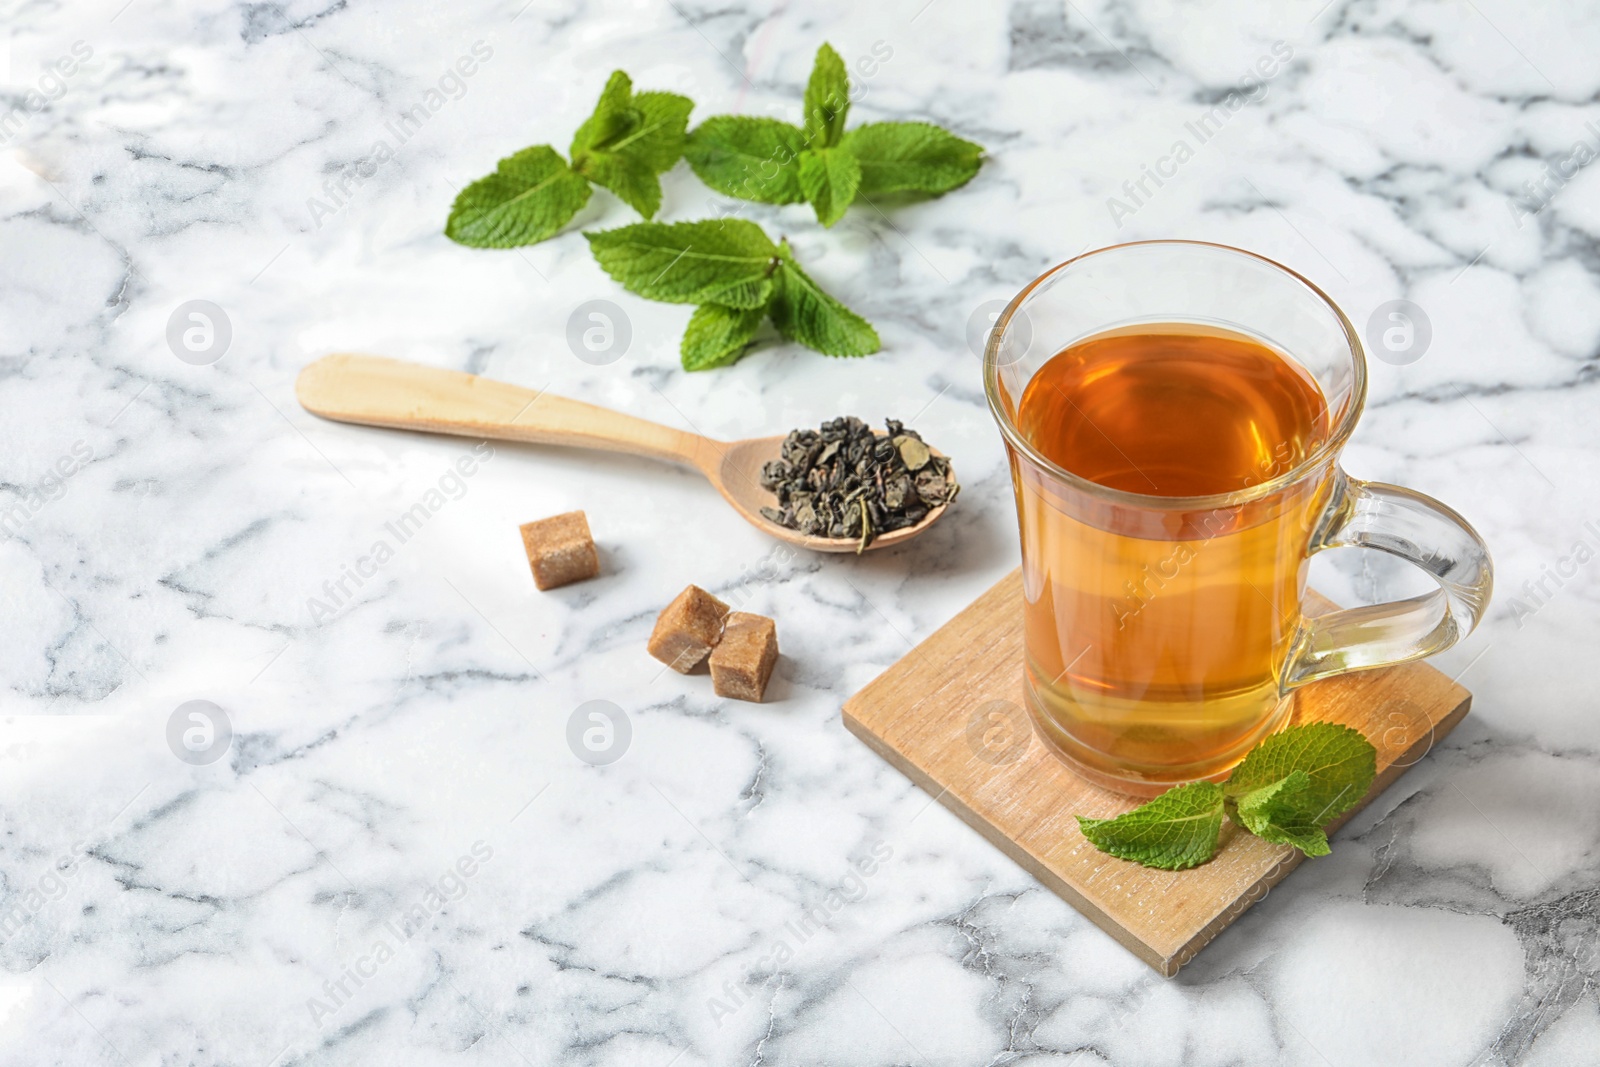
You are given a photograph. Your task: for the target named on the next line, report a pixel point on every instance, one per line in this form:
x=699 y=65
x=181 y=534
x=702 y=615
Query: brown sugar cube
x=743 y=659
x=687 y=629
x=560 y=550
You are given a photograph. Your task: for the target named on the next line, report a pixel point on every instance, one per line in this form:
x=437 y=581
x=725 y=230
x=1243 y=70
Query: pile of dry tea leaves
x=846 y=481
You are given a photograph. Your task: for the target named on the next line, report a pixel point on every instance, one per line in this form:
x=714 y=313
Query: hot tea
x=1156 y=640
x=1174 y=412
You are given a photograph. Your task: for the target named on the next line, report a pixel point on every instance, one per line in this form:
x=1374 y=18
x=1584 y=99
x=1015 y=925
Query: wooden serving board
x=933 y=715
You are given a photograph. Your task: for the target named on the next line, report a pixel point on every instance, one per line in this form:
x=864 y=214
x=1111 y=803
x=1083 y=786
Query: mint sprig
x=628 y=141
x=1286 y=791
x=732 y=269
x=773 y=162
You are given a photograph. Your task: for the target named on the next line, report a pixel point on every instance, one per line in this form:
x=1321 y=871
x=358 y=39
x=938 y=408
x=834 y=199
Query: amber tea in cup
x=1173 y=413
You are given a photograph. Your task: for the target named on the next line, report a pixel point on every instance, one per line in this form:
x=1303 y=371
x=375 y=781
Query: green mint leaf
x=803 y=312
x=746 y=295
x=1175 y=831
x=1339 y=764
x=660 y=141
x=633 y=181
x=629 y=140
x=914 y=157
x=718 y=336
x=749 y=158
x=827 y=99
x=647 y=127
x=613 y=118
x=1310 y=839
x=528 y=198
x=829 y=177
x=1273 y=810
x=712 y=262
x=1273 y=813
x=1258 y=805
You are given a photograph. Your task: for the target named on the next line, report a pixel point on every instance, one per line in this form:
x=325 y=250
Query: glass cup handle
x=1420 y=530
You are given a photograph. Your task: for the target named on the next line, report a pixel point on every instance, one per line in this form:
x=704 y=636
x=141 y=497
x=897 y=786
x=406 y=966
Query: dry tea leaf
x=913 y=452
x=845 y=481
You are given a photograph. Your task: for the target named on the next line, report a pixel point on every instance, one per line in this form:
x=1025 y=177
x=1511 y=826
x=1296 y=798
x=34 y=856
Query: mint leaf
x=829 y=177
x=803 y=312
x=528 y=198
x=717 y=335
x=647 y=127
x=633 y=181
x=756 y=294
x=729 y=261
x=1175 y=831
x=658 y=141
x=613 y=118
x=750 y=158
x=911 y=157
x=827 y=99
x=1339 y=764
x=629 y=140
x=1258 y=805
x=1273 y=813
x=1308 y=838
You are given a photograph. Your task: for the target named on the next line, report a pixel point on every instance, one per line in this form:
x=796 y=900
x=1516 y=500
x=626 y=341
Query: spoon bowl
x=374 y=391
x=738 y=479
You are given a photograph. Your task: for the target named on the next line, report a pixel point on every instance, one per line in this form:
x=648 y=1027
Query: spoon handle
x=375 y=391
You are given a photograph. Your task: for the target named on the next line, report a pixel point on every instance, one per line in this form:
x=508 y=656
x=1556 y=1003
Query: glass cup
x=1165 y=636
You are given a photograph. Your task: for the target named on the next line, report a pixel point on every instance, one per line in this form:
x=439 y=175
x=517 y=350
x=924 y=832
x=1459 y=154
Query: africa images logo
x=340 y=592
x=1251 y=88
x=451 y=886
x=451 y=86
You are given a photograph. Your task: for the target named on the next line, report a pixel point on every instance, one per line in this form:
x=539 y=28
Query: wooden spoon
x=374 y=391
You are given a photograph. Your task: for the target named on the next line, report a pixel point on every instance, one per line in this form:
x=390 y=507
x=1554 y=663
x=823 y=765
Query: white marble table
x=398 y=860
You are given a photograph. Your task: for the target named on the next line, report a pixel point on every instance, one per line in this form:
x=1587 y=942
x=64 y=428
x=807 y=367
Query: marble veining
x=399 y=858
